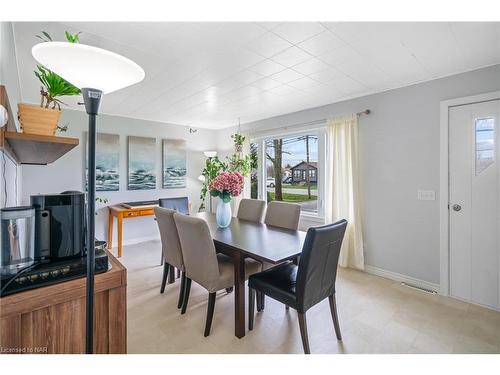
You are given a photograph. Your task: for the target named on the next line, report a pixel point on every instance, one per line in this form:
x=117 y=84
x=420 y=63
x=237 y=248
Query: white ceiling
x=210 y=74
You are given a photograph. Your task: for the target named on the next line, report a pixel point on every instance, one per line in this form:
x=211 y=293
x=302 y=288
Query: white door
x=474 y=203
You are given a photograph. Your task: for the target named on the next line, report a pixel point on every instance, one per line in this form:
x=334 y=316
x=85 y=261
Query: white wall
x=9 y=173
x=399 y=145
x=67 y=173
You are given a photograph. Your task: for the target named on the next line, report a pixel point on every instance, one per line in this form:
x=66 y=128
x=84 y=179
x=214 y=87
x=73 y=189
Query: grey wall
x=399 y=145
x=67 y=173
x=9 y=77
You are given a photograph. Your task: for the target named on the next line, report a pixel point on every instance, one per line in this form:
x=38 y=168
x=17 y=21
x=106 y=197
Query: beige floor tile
x=376 y=316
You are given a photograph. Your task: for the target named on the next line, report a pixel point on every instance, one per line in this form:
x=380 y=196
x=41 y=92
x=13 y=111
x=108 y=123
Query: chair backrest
x=318 y=264
x=198 y=250
x=180 y=204
x=284 y=215
x=251 y=210
x=170 y=244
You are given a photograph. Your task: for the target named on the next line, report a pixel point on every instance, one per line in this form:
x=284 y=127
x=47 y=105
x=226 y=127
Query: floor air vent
x=416 y=287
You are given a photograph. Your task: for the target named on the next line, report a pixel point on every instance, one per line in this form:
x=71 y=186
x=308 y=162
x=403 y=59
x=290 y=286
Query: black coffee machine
x=59 y=225
x=60 y=243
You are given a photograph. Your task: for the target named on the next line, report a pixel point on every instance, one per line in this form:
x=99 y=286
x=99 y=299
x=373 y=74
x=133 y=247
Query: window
x=254 y=181
x=289 y=170
x=485 y=143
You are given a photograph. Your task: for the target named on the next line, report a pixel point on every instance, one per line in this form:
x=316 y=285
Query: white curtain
x=343 y=195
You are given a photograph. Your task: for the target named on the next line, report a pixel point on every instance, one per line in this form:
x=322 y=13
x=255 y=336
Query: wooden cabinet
x=51 y=319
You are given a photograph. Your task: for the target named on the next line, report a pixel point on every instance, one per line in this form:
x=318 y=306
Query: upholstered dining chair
x=171 y=248
x=179 y=204
x=251 y=210
x=212 y=271
x=283 y=215
x=303 y=286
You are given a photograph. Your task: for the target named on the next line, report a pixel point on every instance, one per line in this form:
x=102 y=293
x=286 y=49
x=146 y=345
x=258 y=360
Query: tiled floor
x=376 y=316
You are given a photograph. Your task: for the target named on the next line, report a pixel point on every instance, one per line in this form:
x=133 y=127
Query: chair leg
x=229 y=290
x=178 y=273
x=303 y=332
x=210 y=313
x=259 y=301
x=335 y=316
x=262 y=301
x=287 y=308
x=166 y=267
x=181 y=291
x=187 y=289
x=251 y=307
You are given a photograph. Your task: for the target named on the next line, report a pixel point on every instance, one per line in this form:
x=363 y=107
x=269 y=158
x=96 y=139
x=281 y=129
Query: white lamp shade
x=88 y=67
x=210 y=154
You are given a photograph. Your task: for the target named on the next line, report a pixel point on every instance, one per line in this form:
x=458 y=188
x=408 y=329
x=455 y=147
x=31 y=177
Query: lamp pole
x=92 y=100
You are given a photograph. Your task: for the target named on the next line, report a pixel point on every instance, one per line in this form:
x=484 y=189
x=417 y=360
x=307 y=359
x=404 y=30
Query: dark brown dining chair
x=203 y=265
x=251 y=210
x=171 y=248
x=303 y=286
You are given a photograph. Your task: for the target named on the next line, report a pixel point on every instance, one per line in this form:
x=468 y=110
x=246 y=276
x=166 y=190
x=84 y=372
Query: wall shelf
x=37 y=149
x=30 y=148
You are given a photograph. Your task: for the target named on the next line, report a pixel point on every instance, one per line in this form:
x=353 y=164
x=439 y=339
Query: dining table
x=246 y=239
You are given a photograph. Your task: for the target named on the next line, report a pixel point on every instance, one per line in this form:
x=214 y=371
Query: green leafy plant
x=236 y=162
x=212 y=168
x=54 y=86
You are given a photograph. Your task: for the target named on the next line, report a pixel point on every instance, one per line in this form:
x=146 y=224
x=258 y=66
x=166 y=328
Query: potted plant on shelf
x=225 y=186
x=44 y=119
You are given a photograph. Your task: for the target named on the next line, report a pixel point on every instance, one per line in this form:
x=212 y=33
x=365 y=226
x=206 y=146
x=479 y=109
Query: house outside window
x=290 y=170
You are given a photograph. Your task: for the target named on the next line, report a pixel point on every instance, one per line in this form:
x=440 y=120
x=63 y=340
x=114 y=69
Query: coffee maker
x=59 y=243
x=59 y=225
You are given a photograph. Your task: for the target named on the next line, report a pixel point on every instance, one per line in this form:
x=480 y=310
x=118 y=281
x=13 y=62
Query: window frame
x=320 y=172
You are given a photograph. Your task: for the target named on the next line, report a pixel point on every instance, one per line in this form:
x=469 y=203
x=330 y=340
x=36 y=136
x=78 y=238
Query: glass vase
x=223 y=214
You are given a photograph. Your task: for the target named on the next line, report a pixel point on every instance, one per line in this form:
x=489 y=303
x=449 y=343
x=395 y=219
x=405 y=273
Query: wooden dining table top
x=256 y=240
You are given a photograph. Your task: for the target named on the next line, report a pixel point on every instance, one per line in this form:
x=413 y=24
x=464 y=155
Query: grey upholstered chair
x=251 y=210
x=212 y=271
x=171 y=248
x=283 y=215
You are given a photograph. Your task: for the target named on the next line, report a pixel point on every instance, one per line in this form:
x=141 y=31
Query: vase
x=223 y=214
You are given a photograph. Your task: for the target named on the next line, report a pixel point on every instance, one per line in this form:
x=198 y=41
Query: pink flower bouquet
x=226 y=185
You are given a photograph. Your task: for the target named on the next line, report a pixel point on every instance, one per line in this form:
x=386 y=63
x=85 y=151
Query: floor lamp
x=96 y=72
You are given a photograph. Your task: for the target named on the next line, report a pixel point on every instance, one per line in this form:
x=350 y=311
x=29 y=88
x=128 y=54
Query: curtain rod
x=314 y=122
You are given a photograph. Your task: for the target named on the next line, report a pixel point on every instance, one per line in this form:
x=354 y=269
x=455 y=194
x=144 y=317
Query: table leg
x=239 y=295
x=110 y=230
x=120 y=225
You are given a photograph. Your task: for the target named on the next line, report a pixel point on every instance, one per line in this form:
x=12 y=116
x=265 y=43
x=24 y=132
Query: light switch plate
x=426 y=195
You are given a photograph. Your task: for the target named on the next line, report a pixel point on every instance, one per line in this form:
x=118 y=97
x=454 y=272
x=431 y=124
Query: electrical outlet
x=426 y=195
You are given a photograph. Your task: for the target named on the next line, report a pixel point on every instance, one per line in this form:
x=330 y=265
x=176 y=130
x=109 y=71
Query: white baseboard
x=401 y=278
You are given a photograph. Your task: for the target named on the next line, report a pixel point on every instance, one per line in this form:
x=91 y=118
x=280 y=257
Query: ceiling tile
x=340 y=55
x=291 y=56
x=296 y=32
x=267 y=67
x=211 y=73
x=305 y=84
x=268 y=45
x=286 y=76
x=284 y=90
x=266 y=83
x=311 y=66
x=321 y=43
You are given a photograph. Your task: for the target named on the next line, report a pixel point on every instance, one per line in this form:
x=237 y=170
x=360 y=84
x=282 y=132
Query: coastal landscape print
x=141 y=163
x=174 y=163
x=107 y=162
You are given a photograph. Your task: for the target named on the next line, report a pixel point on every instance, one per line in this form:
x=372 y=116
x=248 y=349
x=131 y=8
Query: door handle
x=456 y=207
